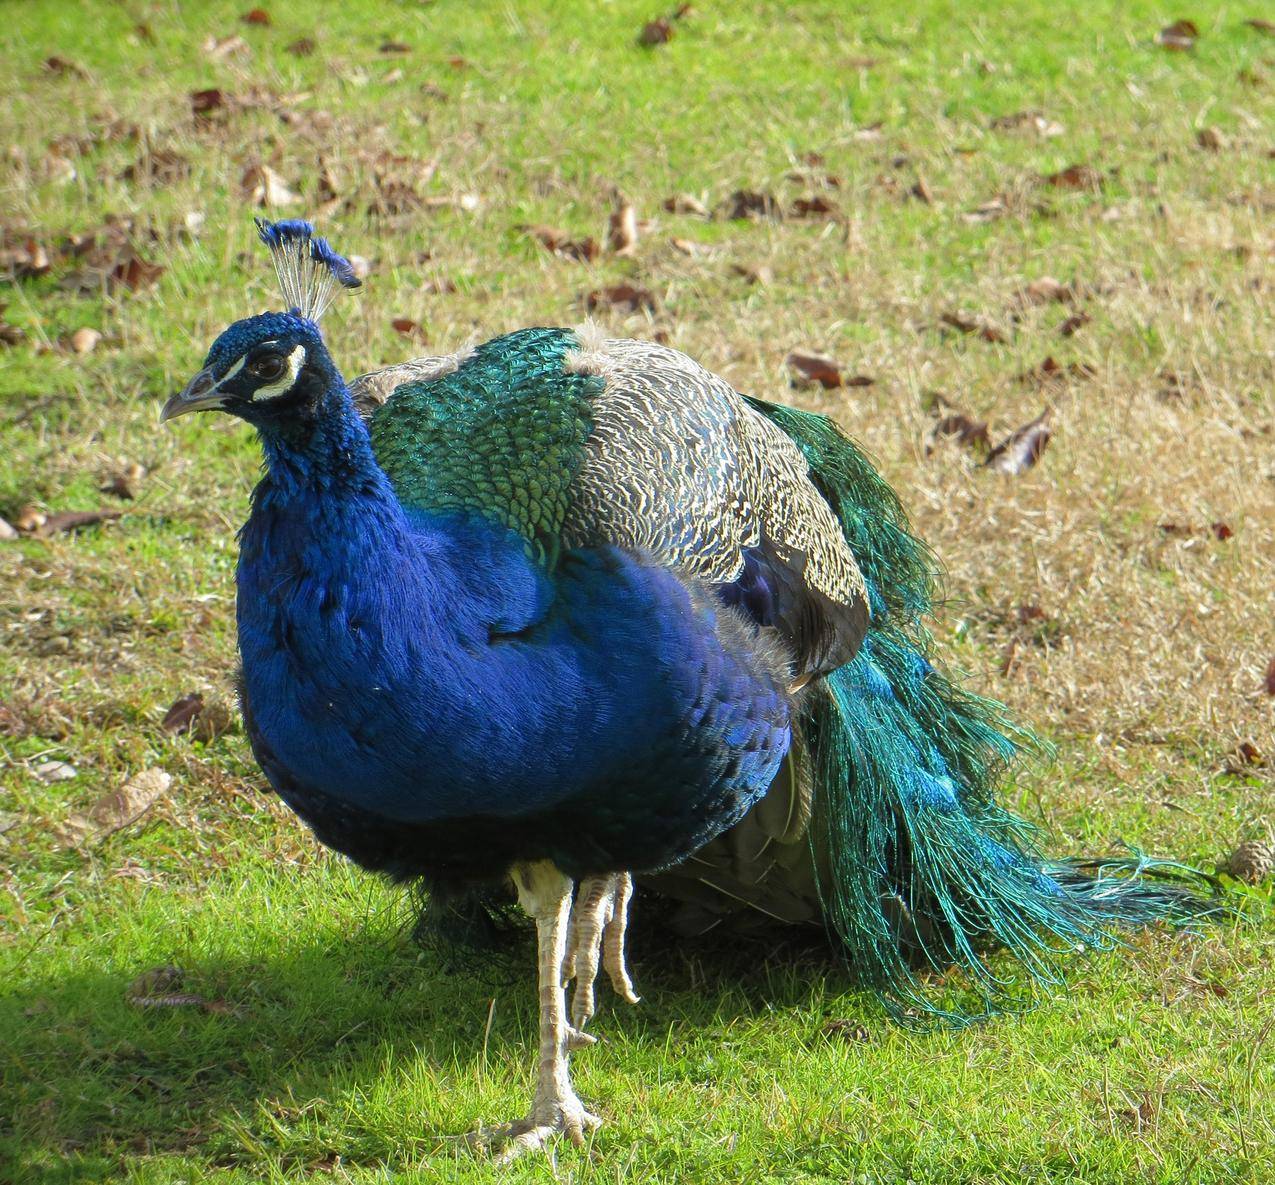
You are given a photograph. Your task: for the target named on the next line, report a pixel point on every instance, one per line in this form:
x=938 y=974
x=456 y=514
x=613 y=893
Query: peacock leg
x=545 y=893
x=598 y=925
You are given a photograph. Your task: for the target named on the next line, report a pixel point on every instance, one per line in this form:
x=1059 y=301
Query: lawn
x=985 y=213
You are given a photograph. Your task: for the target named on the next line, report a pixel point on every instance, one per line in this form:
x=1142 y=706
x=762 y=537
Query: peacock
x=568 y=613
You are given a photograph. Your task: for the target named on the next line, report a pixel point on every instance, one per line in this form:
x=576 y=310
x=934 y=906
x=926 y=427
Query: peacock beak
x=198 y=395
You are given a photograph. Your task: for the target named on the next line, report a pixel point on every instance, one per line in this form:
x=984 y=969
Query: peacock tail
x=920 y=868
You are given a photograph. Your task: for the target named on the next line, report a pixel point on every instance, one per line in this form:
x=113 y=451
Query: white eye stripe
x=281 y=386
x=239 y=365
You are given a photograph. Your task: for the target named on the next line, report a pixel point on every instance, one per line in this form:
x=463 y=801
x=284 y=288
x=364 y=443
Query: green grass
x=344 y=1053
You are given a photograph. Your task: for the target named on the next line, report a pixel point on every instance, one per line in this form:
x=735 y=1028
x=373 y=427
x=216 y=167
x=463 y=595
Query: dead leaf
x=814 y=206
x=921 y=191
x=1076 y=176
x=815 y=368
x=758 y=274
x=1267 y=27
x=394 y=47
x=134 y=272
x=963 y=430
x=10 y=335
x=117 y=810
x=125 y=481
x=202 y=102
x=987 y=212
x=408 y=328
x=1210 y=139
x=64 y=67
x=989 y=333
x=1052 y=371
x=264 y=187
x=1073 y=323
x=621 y=296
x=1019 y=451
x=685 y=203
x=560 y=243
x=256 y=16
x=748 y=204
x=159 y=988
x=1032 y=121
x=656 y=32
x=622 y=232
x=302 y=47
x=1046 y=289
x=1179 y=36
x=219 y=48
x=1270 y=678
x=25 y=259
x=1243 y=760
x=690 y=247
x=50 y=772
x=35 y=522
x=181 y=713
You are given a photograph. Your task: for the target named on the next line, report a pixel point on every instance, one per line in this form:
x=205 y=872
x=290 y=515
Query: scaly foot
x=548 y=1118
x=599 y=920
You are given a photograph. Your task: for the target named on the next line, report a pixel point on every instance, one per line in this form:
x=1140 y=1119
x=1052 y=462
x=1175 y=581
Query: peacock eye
x=267 y=366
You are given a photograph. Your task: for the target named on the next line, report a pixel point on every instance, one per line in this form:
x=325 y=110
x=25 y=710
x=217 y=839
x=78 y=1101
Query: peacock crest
x=311 y=274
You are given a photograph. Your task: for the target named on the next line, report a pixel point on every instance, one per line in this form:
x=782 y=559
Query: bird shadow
x=230 y=1059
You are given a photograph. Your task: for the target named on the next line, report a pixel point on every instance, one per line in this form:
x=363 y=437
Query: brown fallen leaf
x=32 y=521
x=64 y=67
x=690 y=247
x=1179 y=36
x=960 y=429
x=394 y=47
x=813 y=207
x=302 y=47
x=1019 y=451
x=408 y=328
x=656 y=32
x=685 y=203
x=219 y=48
x=1210 y=139
x=133 y=272
x=51 y=772
x=1033 y=121
x=758 y=274
x=25 y=259
x=264 y=187
x=748 y=204
x=1076 y=176
x=1051 y=371
x=621 y=296
x=1243 y=760
x=10 y=335
x=815 y=368
x=1270 y=678
x=160 y=988
x=202 y=102
x=1045 y=290
x=256 y=16
x=181 y=713
x=921 y=191
x=1261 y=26
x=117 y=810
x=987 y=212
x=560 y=243
x=989 y=333
x=1074 y=323
x=125 y=481
x=622 y=231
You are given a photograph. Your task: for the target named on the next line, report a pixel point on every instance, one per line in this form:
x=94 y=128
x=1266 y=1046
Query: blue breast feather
x=425 y=670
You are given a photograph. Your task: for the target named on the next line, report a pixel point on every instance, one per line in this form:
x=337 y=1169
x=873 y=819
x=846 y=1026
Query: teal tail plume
x=922 y=868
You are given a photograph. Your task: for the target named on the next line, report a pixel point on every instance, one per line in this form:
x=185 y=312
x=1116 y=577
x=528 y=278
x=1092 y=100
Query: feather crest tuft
x=310 y=272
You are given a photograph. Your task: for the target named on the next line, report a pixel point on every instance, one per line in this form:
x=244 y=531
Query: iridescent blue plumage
x=575 y=609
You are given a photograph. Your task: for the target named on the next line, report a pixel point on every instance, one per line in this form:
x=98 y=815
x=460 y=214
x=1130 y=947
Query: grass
x=337 y=1050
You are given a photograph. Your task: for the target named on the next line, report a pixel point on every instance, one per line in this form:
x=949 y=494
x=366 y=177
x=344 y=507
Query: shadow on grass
x=298 y=1041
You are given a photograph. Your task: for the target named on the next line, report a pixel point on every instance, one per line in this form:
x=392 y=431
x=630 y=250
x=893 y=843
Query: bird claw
x=598 y=923
x=507 y=1141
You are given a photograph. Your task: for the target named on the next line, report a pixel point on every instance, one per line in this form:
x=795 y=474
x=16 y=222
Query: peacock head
x=274 y=369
